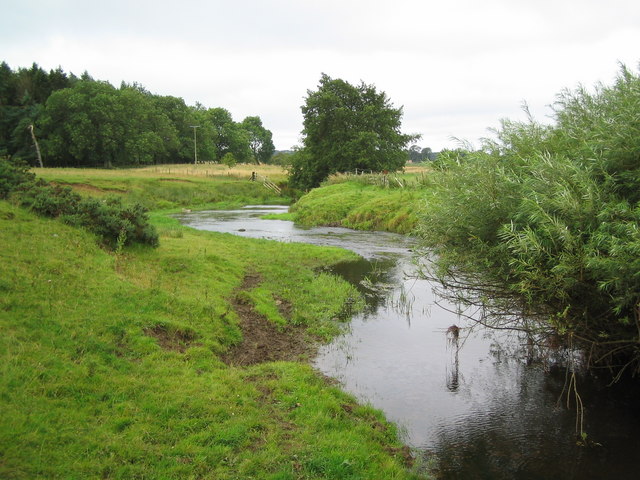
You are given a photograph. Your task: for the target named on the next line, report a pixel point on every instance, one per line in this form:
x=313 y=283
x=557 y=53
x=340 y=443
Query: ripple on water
x=482 y=412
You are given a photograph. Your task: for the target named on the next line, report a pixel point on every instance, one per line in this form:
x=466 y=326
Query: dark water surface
x=479 y=411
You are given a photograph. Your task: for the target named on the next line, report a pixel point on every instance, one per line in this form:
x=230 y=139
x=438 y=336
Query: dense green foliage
x=84 y=122
x=115 y=223
x=12 y=176
x=110 y=363
x=22 y=97
x=93 y=123
x=347 y=128
x=260 y=139
x=551 y=213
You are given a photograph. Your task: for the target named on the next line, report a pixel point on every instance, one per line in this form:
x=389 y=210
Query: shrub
x=112 y=221
x=550 y=213
x=12 y=175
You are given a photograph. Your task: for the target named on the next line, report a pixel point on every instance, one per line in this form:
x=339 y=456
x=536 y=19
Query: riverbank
x=134 y=363
x=361 y=205
x=493 y=407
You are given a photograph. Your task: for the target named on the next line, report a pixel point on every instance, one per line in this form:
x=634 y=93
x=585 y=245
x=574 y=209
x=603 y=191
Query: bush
x=12 y=175
x=49 y=200
x=112 y=221
x=550 y=213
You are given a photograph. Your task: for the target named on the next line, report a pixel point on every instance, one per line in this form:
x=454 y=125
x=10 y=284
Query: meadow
x=143 y=362
x=171 y=187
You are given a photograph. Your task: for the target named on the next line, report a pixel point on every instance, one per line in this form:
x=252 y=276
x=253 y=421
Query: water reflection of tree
x=488 y=305
x=374 y=279
x=518 y=436
x=453 y=370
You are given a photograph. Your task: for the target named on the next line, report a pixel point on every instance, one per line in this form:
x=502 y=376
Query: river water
x=471 y=407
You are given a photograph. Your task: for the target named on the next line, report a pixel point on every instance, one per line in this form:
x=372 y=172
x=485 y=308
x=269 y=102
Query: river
x=471 y=407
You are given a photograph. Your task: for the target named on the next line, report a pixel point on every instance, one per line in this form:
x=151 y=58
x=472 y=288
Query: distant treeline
x=417 y=154
x=79 y=122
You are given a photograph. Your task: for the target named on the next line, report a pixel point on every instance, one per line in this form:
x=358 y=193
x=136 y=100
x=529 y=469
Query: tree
x=282 y=158
x=229 y=160
x=415 y=154
x=59 y=80
x=346 y=128
x=7 y=85
x=228 y=136
x=260 y=139
x=93 y=123
x=22 y=95
x=206 y=137
x=82 y=124
x=428 y=154
x=148 y=134
x=85 y=122
x=182 y=118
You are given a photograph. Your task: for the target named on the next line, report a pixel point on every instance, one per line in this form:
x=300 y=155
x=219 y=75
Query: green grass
x=110 y=364
x=356 y=205
x=173 y=187
x=279 y=216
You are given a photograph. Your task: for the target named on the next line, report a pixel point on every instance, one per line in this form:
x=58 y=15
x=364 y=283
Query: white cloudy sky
x=456 y=66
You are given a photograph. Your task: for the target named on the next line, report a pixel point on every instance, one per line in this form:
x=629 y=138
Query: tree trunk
x=35 y=144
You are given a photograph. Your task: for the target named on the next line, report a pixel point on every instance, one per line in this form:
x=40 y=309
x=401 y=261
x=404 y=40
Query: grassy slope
x=110 y=366
x=356 y=205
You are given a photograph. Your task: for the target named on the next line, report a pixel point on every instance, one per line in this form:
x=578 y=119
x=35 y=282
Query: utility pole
x=195 y=144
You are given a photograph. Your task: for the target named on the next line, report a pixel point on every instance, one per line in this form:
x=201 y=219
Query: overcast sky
x=456 y=67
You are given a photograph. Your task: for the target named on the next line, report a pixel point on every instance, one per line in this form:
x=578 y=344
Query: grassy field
x=170 y=187
x=187 y=171
x=185 y=361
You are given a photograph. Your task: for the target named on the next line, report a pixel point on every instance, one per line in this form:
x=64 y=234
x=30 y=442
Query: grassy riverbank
x=356 y=204
x=176 y=362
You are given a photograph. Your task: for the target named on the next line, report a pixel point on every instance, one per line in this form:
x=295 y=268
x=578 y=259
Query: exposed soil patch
x=262 y=341
x=174 y=340
x=84 y=187
x=251 y=280
x=284 y=307
x=179 y=180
